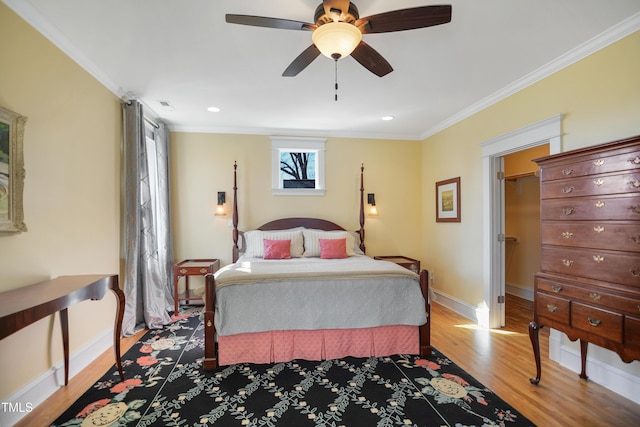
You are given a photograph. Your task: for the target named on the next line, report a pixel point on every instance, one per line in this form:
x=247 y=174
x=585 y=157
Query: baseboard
x=616 y=380
x=519 y=292
x=19 y=404
x=461 y=307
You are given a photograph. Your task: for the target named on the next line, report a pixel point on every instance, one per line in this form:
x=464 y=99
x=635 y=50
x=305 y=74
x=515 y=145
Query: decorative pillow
x=255 y=241
x=333 y=248
x=312 y=241
x=277 y=249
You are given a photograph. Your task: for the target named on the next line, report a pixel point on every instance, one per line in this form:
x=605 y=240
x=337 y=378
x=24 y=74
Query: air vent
x=166 y=105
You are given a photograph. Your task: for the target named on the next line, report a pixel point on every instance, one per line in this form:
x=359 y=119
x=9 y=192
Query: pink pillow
x=277 y=249
x=333 y=248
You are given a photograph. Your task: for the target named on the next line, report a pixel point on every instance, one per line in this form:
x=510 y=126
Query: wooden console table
x=23 y=306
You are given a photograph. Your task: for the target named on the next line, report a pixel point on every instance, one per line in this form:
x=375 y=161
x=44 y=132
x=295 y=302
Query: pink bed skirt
x=283 y=346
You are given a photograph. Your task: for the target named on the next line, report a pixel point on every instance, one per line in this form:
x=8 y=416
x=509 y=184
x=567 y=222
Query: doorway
x=547 y=131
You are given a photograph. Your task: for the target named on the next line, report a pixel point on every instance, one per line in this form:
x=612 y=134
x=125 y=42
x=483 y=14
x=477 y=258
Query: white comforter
x=257 y=295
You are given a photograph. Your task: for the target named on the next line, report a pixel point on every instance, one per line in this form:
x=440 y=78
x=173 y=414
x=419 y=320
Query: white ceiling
x=185 y=53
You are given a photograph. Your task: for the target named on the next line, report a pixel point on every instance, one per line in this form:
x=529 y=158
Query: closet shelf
x=511 y=239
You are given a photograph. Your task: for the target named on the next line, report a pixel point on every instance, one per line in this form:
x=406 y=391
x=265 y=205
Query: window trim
x=295 y=144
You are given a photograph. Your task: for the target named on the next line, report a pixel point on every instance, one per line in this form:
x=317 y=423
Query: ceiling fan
x=338 y=30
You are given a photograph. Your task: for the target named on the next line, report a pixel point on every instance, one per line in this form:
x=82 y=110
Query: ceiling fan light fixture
x=336 y=39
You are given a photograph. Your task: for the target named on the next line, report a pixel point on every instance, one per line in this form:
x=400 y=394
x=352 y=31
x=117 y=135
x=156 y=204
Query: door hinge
x=500 y=175
x=500 y=237
x=501 y=299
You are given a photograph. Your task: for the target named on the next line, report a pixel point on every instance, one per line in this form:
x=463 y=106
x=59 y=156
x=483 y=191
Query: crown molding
x=602 y=40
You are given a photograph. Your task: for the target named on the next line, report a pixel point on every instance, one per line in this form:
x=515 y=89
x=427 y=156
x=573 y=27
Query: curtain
x=148 y=249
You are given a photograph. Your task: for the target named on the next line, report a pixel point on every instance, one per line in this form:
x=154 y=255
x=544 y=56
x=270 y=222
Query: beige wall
x=600 y=98
x=72 y=201
x=202 y=165
x=71 y=196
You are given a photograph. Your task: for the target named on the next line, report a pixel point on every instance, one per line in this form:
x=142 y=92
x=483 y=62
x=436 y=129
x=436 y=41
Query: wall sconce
x=371 y=200
x=222 y=198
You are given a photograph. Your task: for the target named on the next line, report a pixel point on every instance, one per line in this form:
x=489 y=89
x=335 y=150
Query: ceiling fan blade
x=263 y=21
x=333 y=6
x=405 y=19
x=302 y=61
x=370 y=59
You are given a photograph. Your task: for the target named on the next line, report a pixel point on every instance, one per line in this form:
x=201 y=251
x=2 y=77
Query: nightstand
x=406 y=262
x=186 y=268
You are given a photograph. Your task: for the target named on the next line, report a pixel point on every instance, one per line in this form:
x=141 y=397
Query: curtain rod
x=130 y=97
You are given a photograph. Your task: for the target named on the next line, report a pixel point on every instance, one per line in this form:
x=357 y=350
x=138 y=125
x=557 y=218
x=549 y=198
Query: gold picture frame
x=448 y=200
x=12 y=171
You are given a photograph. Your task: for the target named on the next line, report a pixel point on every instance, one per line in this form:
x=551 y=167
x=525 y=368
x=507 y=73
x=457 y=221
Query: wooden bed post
x=361 y=231
x=235 y=212
x=425 y=330
x=210 y=350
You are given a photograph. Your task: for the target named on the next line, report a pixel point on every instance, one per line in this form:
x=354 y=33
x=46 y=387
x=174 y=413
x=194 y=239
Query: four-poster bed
x=302 y=288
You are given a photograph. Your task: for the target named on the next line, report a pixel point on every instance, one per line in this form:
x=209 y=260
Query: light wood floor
x=501 y=360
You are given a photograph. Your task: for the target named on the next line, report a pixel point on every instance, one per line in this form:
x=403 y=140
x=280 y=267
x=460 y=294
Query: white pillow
x=255 y=241
x=312 y=241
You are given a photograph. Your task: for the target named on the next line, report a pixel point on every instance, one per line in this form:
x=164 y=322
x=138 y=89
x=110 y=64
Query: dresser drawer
x=595 y=164
x=606 y=324
x=592 y=185
x=608 y=266
x=588 y=294
x=604 y=235
x=632 y=331
x=552 y=307
x=613 y=208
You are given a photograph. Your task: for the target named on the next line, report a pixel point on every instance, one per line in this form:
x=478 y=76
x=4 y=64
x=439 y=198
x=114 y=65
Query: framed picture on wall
x=448 y=200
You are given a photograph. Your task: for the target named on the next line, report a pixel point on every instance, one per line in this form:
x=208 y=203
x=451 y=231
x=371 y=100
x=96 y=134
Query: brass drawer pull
x=567 y=262
x=635 y=209
x=203 y=270
x=598 y=258
x=183 y=270
x=599 y=204
x=594 y=296
x=209 y=323
x=568 y=211
x=567 y=171
x=598 y=182
x=635 y=161
x=636 y=239
x=567 y=234
x=552 y=308
x=594 y=322
x=635 y=183
x=599 y=162
x=598 y=229
x=635 y=272
x=568 y=189
x=556 y=289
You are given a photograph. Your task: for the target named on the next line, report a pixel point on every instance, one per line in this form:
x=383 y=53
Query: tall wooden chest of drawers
x=589 y=283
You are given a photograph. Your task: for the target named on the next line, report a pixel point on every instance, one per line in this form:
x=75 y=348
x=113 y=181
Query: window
x=297 y=166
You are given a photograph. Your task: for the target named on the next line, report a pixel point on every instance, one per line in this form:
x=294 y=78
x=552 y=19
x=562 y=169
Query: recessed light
x=213 y=109
x=387 y=118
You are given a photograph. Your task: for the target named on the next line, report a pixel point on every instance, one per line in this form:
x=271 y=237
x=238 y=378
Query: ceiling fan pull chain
x=336 y=64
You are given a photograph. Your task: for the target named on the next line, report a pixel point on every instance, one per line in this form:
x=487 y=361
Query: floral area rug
x=165 y=385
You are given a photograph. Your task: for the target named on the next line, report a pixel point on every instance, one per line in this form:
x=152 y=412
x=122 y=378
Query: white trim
x=519 y=292
x=547 y=131
x=459 y=306
x=298 y=144
x=616 y=380
x=591 y=46
x=40 y=389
